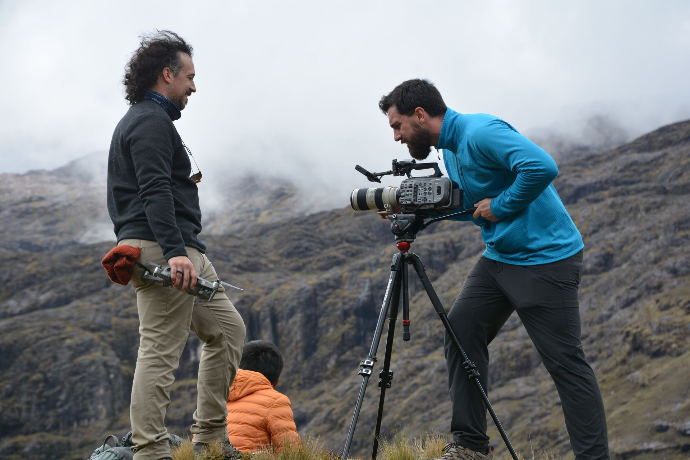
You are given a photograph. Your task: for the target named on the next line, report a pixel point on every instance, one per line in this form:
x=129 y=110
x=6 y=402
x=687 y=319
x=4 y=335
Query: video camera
x=423 y=196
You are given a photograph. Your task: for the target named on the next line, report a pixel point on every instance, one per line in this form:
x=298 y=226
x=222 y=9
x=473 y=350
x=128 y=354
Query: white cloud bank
x=292 y=87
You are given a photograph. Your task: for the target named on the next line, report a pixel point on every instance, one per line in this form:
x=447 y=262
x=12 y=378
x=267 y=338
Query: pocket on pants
x=150 y=251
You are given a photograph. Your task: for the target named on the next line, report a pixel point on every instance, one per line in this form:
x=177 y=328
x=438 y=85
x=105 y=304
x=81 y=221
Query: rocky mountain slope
x=314 y=285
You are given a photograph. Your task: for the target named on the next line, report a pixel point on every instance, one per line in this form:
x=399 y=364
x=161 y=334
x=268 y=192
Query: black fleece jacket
x=150 y=194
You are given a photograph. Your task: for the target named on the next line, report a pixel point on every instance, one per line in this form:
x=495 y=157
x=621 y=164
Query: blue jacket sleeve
x=533 y=167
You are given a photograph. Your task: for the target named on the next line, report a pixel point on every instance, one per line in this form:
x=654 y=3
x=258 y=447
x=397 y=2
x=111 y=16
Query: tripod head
x=406 y=226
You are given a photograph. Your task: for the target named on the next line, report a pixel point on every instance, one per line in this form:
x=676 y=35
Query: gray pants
x=545 y=298
x=165 y=318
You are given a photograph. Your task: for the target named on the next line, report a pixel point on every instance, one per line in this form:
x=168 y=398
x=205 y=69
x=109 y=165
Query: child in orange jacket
x=259 y=417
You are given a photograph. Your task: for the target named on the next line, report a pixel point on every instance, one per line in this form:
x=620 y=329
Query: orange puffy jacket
x=258 y=415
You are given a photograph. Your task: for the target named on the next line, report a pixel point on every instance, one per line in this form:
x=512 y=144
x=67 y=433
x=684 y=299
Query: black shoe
x=229 y=451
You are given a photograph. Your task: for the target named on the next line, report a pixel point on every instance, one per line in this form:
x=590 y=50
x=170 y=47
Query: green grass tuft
x=399 y=448
x=308 y=449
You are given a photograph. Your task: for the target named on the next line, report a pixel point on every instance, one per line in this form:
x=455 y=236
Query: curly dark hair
x=156 y=51
x=411 y=94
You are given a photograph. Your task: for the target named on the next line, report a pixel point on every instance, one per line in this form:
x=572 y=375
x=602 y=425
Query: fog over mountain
x=232 y=197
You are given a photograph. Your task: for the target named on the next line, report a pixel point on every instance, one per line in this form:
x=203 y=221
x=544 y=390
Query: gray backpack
x=123 y=448
x=121 y=451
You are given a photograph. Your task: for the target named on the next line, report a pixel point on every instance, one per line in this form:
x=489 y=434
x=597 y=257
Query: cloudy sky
x=292 y=87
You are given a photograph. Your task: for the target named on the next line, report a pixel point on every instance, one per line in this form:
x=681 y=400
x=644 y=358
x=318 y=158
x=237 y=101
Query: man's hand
x=183 y=272
x=484 y=210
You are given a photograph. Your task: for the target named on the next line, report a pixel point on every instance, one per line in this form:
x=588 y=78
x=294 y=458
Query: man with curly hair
x=154 y=205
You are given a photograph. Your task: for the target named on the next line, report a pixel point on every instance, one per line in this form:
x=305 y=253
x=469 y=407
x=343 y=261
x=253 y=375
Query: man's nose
x=397 y=136
x=193 y=88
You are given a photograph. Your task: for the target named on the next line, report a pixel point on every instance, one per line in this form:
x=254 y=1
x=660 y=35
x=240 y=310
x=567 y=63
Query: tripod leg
x=469 y=365
x=406 y=303
x=386 y=376
x=392 y=290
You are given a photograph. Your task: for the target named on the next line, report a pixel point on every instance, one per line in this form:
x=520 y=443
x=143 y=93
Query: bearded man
x=532 y=263
x=153 y=202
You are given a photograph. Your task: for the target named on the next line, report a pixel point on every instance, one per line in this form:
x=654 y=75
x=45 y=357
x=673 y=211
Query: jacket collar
x=452 y=130
x=169 y=106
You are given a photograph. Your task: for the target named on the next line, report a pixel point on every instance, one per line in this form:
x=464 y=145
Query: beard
x=180 y=101
x=419 y=144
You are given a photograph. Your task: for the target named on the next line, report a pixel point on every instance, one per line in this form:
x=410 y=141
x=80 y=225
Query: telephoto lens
x=369 y=199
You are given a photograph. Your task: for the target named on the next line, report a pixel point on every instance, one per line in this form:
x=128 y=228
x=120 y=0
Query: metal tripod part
x=392 y=290
x=397 y=281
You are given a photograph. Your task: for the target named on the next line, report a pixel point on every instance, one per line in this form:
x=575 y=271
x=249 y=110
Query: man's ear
x=275 y=383
x=419 y=115
x=167 y=75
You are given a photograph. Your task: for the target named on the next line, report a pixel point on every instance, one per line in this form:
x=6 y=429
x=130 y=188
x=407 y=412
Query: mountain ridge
x=314 y=285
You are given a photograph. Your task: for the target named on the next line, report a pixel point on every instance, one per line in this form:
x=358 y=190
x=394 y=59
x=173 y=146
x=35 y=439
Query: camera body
x=429 y=195
x=425 y=196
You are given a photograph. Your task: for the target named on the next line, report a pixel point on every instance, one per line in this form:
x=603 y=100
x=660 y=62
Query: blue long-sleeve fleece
x=488 y=158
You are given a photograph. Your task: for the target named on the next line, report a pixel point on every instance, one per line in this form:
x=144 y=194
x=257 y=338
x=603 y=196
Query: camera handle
x=464 y=212
x=397 y=282
x=400 y=168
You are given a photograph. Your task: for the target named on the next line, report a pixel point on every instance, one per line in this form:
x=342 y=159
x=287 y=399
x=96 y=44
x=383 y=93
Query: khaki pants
x=165 y=318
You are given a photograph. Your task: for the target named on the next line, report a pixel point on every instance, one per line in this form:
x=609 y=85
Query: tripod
x=405 y=228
